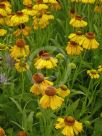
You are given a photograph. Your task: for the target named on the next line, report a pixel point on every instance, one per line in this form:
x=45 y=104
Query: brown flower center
x=58 y=1
x=93 y=73
x=41 y=52
x=21 y=26
x=11 y=14
x=19 y=13
x=39 y=1
x=20 y=43
x=78 y=17
x=2 y=132
x=63 y=87
x=38 y=78
x=41 y=12
x=72 y=11
x=90 y=35
x=69 y=120
x=45 y=56
x=2 y=6
x=73 y=43
x=29 y=7
x=22 y=133
x=98 y=4
x=50 y=91
x=79 y=33
x=1 y=16
x=23 y=64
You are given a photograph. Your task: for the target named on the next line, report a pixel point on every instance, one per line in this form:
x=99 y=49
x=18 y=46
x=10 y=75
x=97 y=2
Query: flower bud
x=38 y=115
x=59 y=56
x=72 y=65
x=21 y=133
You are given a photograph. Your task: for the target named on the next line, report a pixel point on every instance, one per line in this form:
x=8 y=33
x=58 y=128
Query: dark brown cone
x=69 y=120
x=38 y=78
x=20 y=43
x=2 y=132
x=21 y=133
x=50 y=91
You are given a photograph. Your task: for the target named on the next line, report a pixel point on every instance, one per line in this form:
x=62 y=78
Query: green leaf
x=96 y=29
x=17 y=124
x=30 y=121
x=76 y=92
x=9 y=131
x=98 y=128
x=71 y=108
x=24 y=120
x=17 y=104
x=98 y=105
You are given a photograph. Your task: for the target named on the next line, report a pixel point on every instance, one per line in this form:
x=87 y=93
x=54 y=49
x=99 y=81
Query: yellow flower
x=53 y=3
x=6 y=3
x=40 y=7
x=49 y=1
x=45 y=60
x=89 y=41
x=88 y=1
x=77 y=22
x=8 y=21
x=42 y=21
x=36 y=23
x=69 y=126
x=75 y=0
x=93 y=73
x=40 y=84
x=3 y=47
x=56 y=6
x=27 y=2
x=99 y=68
x=98 y=8
x=19 y=18
x=36 y=89
x=76 y=37
x=73 y=48
x=42 y=16
x=50 y=99
x=21 y=66
x=2 y=132
x=3 y=32
x=63 y=91
x=19 y=50
x=29 y=10
x=22 y=30
x=4 y=9
x=2 y=20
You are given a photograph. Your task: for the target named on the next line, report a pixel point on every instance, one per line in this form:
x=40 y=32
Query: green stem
x=22 y=83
